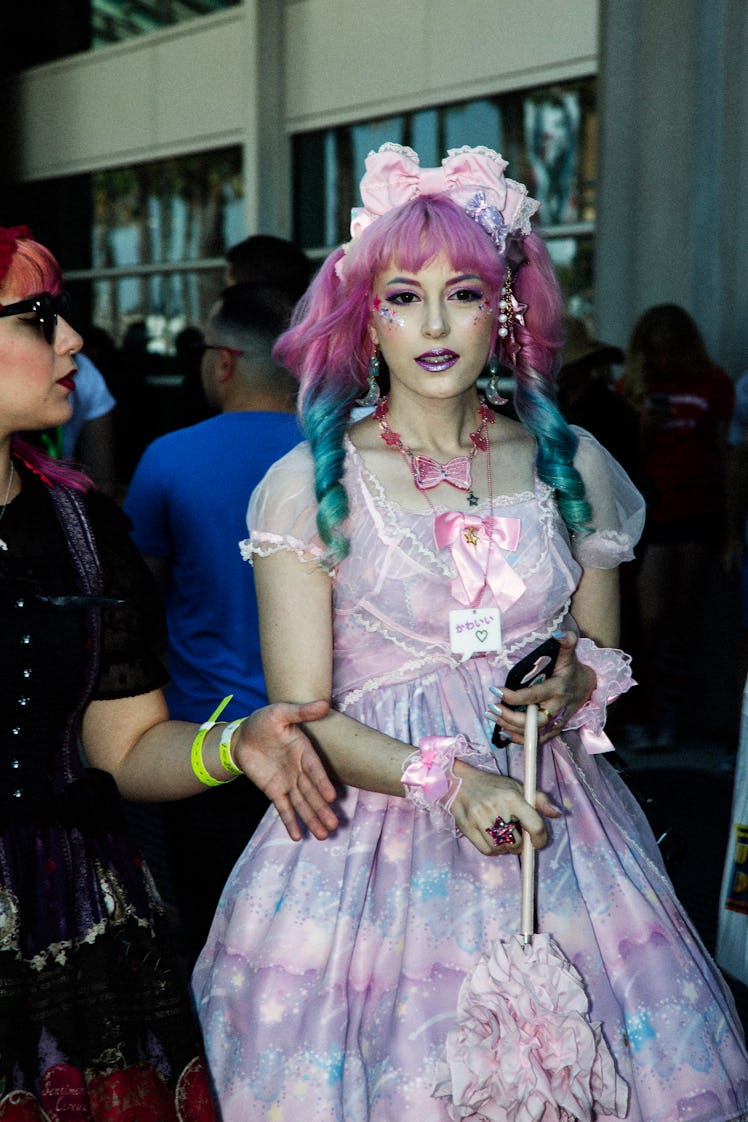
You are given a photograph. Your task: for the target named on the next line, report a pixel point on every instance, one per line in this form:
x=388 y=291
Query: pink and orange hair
x=34 y=269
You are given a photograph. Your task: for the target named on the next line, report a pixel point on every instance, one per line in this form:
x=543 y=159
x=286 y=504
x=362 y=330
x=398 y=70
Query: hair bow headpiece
x=472 y=177
x=9 y=236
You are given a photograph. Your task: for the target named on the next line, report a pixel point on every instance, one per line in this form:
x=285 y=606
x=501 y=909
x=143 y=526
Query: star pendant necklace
x=3 y=543
x=427 y=472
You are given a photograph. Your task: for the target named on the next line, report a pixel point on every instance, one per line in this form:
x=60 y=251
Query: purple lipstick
x=436 y=362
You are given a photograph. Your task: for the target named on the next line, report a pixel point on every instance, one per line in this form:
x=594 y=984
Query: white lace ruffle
x=452 y=748
x=614 y=677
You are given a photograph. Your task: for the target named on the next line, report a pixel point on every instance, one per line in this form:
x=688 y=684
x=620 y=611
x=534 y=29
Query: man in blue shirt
x=188 y=503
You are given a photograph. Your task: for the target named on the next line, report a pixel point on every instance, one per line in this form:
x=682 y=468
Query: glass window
x=113 y=20
x=58 y=28
x=547 y=134
x=158 y=237
x=141 y=245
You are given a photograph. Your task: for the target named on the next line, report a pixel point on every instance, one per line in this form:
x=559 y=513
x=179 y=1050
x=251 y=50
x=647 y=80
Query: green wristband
x=196 y=754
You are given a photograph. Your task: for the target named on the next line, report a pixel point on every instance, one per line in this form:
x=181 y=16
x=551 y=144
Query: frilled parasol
x=524 y=1048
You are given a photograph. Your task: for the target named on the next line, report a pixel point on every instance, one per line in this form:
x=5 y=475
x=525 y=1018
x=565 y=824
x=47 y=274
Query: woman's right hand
x=483 y=796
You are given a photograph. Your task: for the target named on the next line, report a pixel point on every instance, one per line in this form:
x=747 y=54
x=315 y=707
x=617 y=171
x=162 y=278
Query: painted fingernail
x=497 y=691
x=559 y=634
x=495 y=710
x=505 y=735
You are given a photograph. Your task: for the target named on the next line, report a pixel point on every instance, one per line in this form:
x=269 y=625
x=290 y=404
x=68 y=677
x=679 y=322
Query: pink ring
x=501 y=832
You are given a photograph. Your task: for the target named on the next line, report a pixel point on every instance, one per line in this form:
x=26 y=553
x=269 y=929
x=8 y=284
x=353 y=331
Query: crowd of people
x=338 y=564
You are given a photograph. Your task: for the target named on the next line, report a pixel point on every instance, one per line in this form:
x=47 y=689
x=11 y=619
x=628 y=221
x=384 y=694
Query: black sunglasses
x=46 y=309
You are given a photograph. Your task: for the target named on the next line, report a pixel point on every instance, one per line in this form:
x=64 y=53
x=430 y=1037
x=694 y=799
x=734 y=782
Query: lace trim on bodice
x=388 y=514
x=432 y=662
x=403 y=530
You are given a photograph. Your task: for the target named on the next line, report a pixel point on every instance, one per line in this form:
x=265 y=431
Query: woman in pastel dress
x=404 y=563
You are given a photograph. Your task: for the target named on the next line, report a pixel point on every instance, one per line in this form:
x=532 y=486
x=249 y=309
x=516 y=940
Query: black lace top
x=45 y=625
x=93 y=1010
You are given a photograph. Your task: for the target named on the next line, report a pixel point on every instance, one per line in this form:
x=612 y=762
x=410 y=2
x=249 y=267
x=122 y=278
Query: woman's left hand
x=277 y=755
x=571 y=684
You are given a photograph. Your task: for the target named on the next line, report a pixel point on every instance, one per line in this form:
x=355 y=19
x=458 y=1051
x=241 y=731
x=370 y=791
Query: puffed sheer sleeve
x=618 y=509
x=282 y=512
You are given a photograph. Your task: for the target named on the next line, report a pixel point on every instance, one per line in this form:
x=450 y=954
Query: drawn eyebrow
x=460 y=279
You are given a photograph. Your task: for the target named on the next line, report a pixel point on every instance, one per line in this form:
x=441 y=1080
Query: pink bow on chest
x=429 y=473
x=477 y=545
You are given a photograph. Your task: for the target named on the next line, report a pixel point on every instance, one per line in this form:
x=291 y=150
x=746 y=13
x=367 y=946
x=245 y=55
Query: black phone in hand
x=534 y=668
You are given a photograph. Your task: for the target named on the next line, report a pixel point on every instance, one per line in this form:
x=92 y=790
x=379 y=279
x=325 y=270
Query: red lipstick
x=68 y=382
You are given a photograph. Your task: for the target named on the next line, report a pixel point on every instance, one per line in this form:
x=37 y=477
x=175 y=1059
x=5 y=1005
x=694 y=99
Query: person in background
x=95 y=1017
x=193 y=405
x=270 y=261
x=182 y=518
x=588 y=398
x=684 y=403
x=735 y=560
x=403 y=565
x=587 y=395
x=88 y=437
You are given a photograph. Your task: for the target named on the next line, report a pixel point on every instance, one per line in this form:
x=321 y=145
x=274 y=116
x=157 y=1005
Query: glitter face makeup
x=387 y=314
x=483 y=309
x=433 y=327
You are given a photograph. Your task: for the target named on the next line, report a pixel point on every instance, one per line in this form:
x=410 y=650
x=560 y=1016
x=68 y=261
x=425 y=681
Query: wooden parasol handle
x=528 y=850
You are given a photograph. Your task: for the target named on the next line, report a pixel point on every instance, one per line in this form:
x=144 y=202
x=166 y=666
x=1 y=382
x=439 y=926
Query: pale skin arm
x=271 y=749
x=149 y=756
x=294 y=599
x=596 y=608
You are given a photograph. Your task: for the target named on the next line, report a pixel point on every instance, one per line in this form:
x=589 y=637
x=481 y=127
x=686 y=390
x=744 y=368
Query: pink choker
x=427 y=472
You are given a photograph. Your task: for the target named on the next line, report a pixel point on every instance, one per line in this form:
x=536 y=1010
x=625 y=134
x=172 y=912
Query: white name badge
x=474 y=631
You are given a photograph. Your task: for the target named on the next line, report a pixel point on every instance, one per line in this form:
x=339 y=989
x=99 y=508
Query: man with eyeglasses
x=188 y=503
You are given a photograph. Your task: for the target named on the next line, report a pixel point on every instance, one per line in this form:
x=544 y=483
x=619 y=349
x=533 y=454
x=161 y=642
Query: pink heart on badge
x=481 y=635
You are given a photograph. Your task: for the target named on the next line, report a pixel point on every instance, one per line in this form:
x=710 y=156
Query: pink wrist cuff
x=613 y=670
x=428 y=776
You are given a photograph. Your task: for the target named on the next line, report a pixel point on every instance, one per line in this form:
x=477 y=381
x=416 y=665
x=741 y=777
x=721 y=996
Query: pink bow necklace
x=429 y=473
x=475 y=543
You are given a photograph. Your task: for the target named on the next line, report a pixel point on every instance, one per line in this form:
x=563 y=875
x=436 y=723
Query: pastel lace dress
x=330 y=977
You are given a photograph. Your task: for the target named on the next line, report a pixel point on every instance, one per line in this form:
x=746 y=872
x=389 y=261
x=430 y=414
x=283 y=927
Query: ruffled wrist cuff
x=429 y=779
x=613 y=671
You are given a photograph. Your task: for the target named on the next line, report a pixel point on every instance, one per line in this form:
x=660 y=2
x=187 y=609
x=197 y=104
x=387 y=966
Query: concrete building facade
x=672 y=120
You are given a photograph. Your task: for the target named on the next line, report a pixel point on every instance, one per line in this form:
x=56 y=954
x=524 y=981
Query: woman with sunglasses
x=95 y=1019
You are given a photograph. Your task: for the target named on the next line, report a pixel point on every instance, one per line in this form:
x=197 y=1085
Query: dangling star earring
x=493 y=394
x=371 y=397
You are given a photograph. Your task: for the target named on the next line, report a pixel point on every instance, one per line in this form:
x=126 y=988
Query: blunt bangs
x=32 y=269
x=412 y=235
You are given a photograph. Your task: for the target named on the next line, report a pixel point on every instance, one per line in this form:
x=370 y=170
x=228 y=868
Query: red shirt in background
x=683 y=425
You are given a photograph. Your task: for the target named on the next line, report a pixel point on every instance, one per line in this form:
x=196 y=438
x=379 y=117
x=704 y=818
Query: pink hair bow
x=475 y=544
x=472 y=177
x=429 y=473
